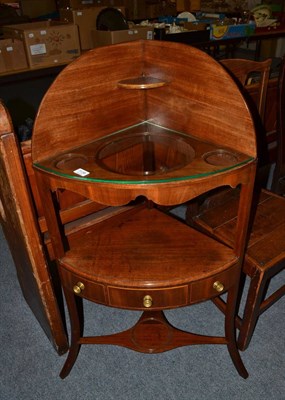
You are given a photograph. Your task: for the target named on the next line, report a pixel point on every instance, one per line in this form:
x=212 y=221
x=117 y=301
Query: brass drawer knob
x=147 y=301
x=218 y=286
x=78 y=288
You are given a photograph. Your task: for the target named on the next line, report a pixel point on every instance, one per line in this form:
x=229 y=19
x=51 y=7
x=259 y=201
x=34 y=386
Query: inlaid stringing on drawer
x=159 y=298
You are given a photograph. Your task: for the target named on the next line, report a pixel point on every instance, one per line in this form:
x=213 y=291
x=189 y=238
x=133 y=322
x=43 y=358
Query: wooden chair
x=245 y=70
x=144 y=129
x=19 y=221
x=265 y=256
x=247 y=73
x=278 y=182
x=25 y=230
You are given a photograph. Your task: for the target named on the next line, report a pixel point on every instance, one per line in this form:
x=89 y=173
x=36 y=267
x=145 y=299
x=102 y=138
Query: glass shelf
x=143 y=153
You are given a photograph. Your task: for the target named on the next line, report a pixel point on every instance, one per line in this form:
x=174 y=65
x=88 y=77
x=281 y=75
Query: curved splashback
x=85 y=102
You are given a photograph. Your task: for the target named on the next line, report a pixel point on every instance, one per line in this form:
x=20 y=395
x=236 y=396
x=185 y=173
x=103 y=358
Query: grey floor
x=29 y=366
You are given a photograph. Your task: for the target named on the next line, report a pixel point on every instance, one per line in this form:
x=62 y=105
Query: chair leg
x=230 y=332
x=74 y=304
x=252 y=310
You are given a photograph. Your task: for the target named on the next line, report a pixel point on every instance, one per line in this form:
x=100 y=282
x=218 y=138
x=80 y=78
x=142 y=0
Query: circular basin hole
x=221 y=158
x=143 y=154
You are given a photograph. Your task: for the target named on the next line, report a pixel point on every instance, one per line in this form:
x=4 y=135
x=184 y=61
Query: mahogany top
x=184 y=91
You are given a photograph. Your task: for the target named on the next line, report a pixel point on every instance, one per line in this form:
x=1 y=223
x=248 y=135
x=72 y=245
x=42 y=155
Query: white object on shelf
x=185 y=14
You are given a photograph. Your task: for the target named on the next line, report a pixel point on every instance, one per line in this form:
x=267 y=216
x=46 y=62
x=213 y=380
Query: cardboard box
x=188 y=5
x=12 y=55
x=85 y=19
x=218 y=32
x=46 y=43
x=105 y=38
x=195 y=26
x=38 y=8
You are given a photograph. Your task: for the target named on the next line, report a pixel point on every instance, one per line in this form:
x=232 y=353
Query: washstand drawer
x=83 y=287
x=148 y=298
x=213 y=286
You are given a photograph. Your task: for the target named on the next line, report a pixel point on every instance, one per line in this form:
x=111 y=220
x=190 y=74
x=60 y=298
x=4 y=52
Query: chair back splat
x=246 y=70
x=248 y=74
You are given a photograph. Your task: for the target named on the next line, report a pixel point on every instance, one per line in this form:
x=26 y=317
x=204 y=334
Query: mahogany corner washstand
x=138 y=126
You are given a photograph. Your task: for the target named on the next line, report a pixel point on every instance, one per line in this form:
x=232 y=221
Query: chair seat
x=267 y=239
x=265 y=255
x=164 y=257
